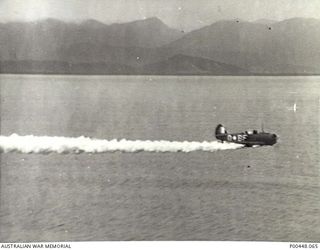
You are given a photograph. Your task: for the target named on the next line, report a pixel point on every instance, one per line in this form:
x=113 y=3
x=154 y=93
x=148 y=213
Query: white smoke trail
x=47 y=144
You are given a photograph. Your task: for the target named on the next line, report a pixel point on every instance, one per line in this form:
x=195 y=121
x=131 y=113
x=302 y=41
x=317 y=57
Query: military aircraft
x=247 y=138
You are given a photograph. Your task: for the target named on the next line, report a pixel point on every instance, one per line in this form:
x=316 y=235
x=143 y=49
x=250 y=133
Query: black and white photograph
x=160 y=120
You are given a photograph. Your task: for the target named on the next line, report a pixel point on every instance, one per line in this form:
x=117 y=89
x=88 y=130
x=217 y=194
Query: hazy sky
x=181 y=14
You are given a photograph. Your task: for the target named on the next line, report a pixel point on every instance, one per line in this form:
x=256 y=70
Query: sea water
x=264 y=193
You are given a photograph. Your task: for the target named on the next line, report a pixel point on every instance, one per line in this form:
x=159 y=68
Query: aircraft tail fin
x=220 y=130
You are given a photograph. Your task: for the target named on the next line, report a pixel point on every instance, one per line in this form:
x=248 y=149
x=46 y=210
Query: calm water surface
x=161 y=196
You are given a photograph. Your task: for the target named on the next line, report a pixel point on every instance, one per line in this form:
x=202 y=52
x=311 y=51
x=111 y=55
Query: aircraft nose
x=275 y=137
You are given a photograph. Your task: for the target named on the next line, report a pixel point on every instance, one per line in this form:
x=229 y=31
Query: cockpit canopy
x=251 y=132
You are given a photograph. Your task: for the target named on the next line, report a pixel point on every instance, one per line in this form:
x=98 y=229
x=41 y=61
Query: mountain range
x=227 y=47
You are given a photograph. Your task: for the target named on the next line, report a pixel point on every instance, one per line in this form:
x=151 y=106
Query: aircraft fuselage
x=248 y=138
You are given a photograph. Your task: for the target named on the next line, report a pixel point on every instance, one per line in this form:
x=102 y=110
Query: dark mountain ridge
x=149 y=46
x=258 y=47
x=49 y=39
